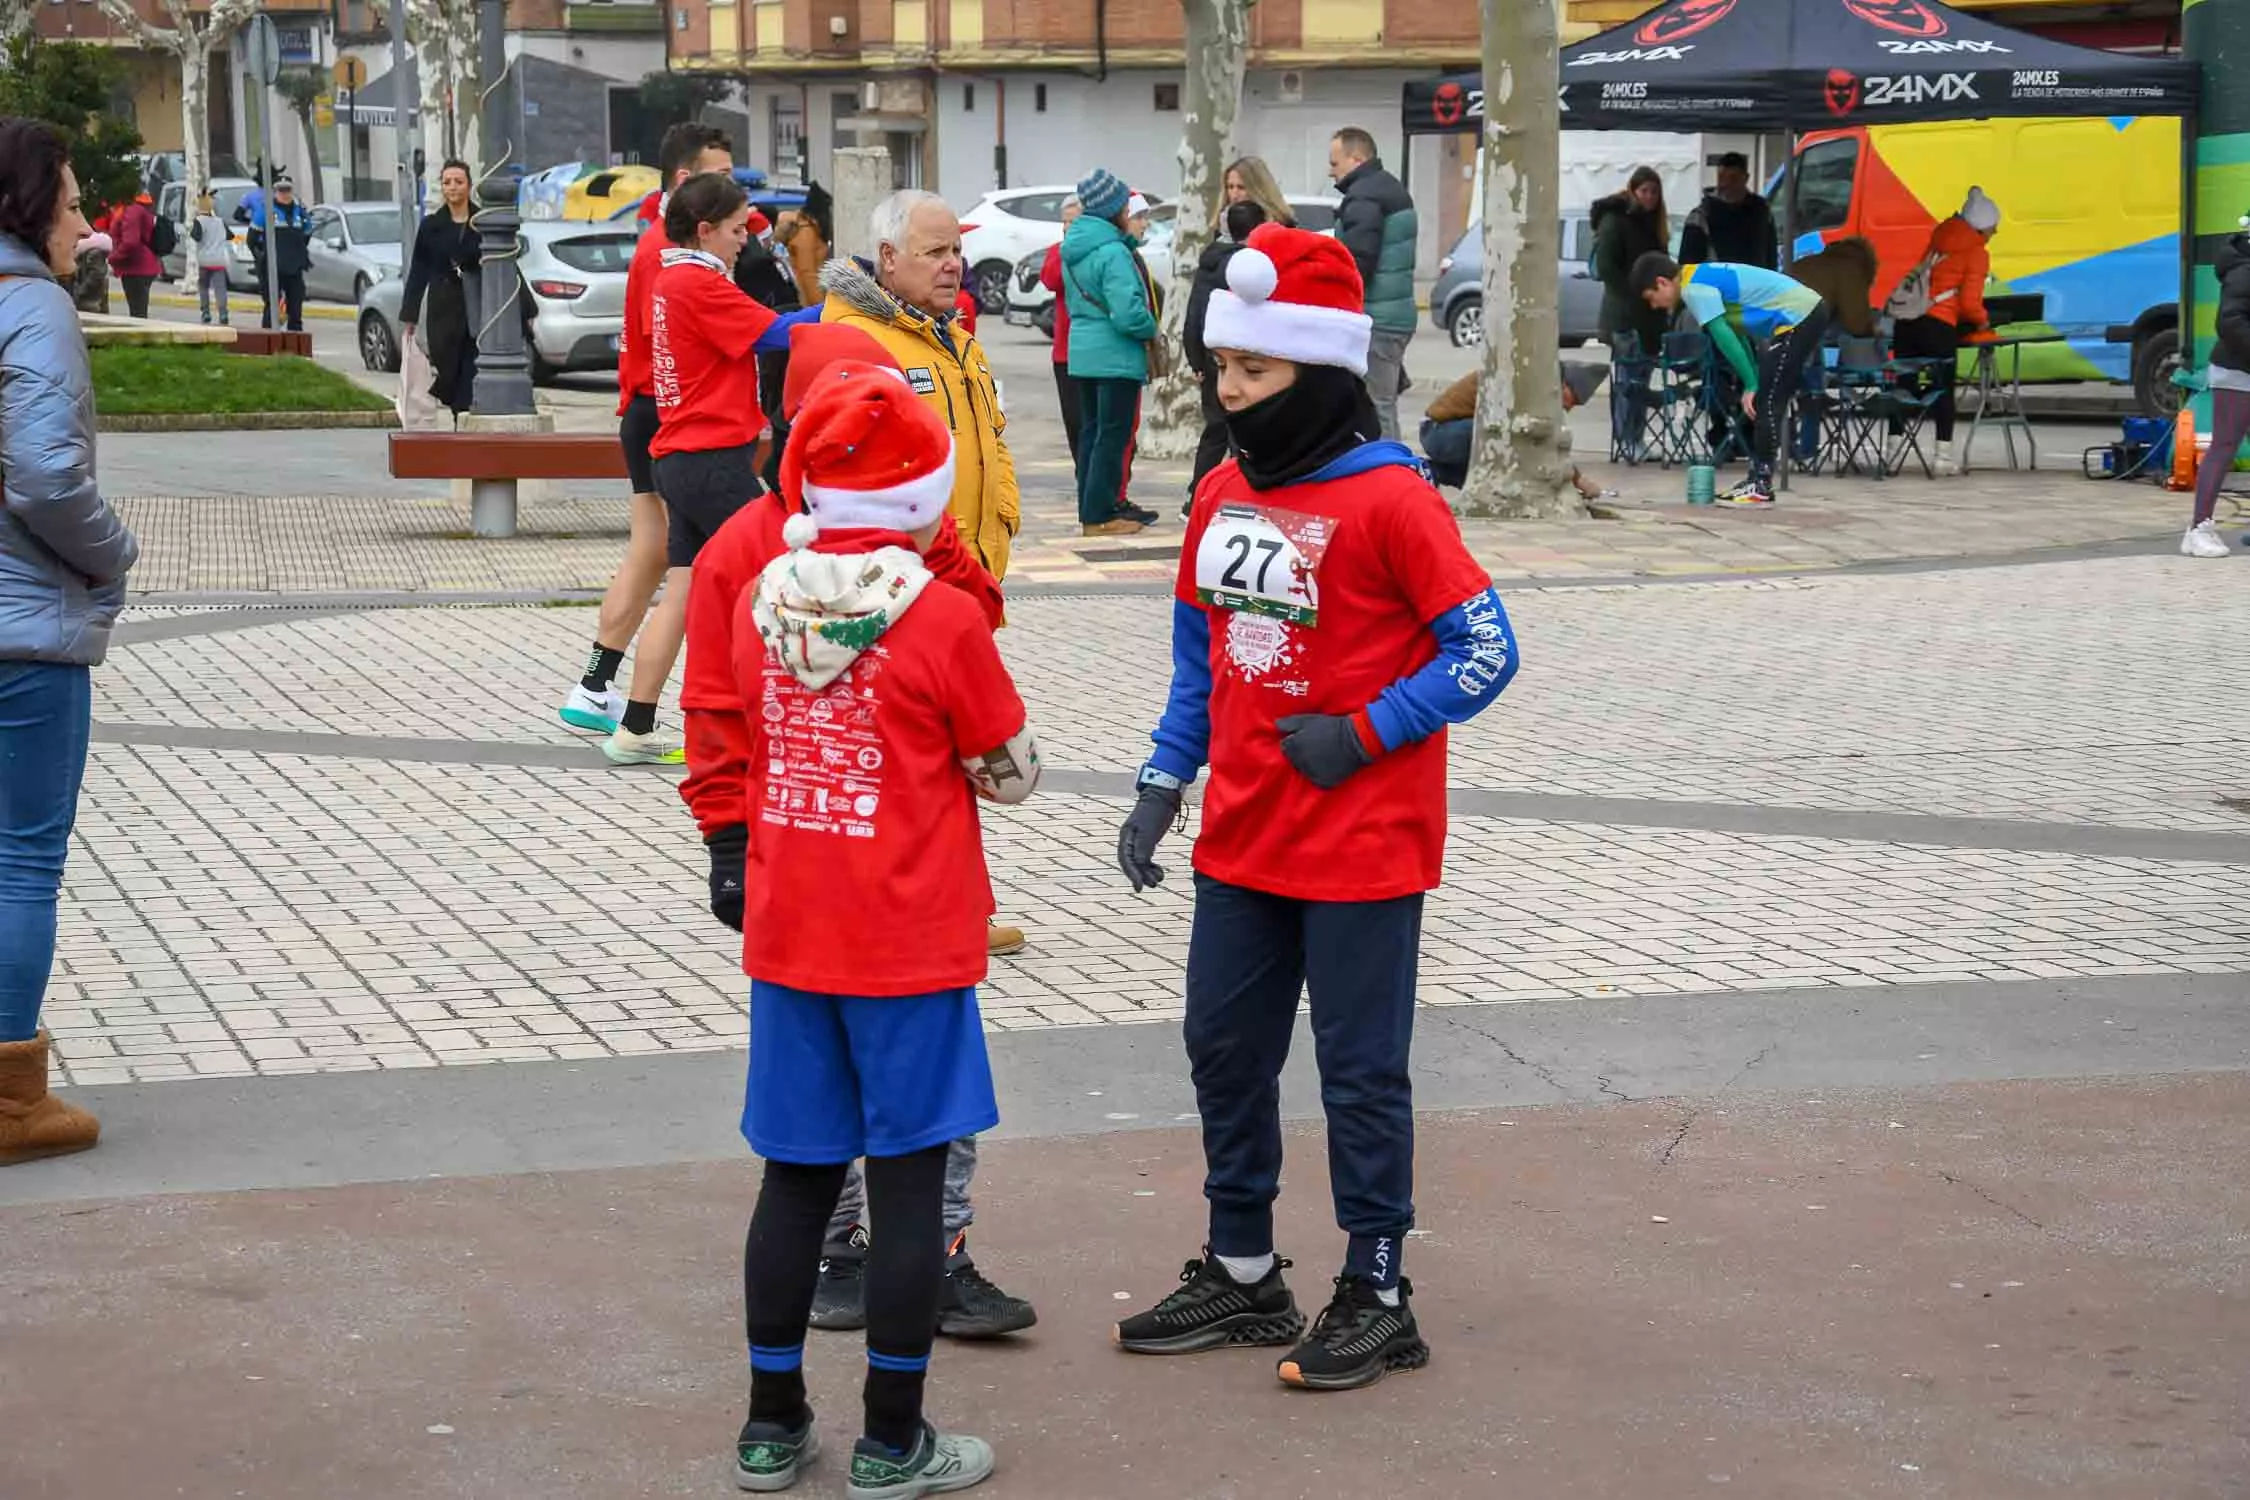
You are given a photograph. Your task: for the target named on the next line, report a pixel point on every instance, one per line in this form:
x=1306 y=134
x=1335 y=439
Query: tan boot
x=1119 y=527
x=33 y=1122
x=1000 y=942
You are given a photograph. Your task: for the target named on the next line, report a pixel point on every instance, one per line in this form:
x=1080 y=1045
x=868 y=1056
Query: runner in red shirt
x=718 y=745
x=884 y=714
x=1328 y=624
x=703 y=336
x=594 y=703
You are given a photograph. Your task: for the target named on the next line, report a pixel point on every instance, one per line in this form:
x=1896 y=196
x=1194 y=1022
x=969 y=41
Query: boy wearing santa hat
x=718 y=739
x=884 y=713
x=1328 y=624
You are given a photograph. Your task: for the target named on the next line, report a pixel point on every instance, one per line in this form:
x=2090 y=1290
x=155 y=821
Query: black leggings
x=905 y=1276
x=1073 y=411
x=1780 y=372
x=1931 y=338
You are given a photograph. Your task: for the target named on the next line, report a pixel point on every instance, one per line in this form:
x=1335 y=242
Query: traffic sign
x=261 y=49
x=351 y=73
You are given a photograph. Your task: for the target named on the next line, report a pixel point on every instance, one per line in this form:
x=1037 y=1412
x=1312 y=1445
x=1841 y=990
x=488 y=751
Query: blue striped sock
x=903 y=1364
x=776 y=1359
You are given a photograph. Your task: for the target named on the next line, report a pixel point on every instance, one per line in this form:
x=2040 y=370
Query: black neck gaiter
x=1299 y=431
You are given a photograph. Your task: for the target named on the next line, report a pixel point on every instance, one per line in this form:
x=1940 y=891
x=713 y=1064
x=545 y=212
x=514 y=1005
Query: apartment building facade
x=970 y=95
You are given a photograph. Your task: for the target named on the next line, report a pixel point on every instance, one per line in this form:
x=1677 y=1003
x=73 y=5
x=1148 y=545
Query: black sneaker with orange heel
x=1356 y=1340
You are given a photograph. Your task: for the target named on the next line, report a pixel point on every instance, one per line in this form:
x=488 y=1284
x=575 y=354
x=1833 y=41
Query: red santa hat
x=813 y=347
x=1295 y=295
x=866 y=453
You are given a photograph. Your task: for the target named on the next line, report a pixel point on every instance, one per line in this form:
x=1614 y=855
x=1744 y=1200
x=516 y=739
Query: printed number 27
x=1241 y=546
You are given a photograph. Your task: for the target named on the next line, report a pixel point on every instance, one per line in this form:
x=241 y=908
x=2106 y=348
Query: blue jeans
x=1446 y=445
x=46 y=713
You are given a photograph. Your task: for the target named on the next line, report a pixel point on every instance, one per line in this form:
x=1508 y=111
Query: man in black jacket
x=1731 y=223
x=1210 y=275
x=1376 y=223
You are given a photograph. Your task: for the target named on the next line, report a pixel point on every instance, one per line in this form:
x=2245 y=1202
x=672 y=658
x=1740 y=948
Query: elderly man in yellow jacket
x=907 y=304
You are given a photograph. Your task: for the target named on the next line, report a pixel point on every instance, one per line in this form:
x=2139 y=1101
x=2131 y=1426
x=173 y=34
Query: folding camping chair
x=1854 y=408
x=1911 y=393
x=1683 y=399
x=1630 y=369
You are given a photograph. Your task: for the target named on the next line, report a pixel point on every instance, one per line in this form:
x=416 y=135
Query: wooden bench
x=494 y=462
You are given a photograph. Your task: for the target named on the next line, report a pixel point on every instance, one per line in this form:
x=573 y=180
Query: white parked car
x=227 y=194
x=1031 y=305
x=1003 y=228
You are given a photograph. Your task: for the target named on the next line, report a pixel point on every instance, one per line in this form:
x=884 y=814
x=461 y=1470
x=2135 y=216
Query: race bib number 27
x=1261 y=560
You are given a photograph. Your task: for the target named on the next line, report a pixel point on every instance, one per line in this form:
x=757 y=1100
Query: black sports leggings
x=1931 y=338
x=1779 y=374
x=905 y=1275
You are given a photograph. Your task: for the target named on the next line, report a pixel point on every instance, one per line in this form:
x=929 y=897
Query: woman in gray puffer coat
x=63 y=558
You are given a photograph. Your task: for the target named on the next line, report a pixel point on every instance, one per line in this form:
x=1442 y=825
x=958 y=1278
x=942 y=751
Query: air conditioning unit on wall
x=1290 y=89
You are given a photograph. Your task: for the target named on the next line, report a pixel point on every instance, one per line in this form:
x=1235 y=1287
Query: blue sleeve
x=1705 y=302
x=1183 y=735
x=775 y=340
x=1476 y=659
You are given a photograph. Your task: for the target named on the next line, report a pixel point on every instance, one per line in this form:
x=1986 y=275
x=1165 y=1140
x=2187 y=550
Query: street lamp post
x=503 y=385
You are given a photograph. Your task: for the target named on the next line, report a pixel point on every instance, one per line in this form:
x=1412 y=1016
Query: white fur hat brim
x=907 y=506
x=1293 y=331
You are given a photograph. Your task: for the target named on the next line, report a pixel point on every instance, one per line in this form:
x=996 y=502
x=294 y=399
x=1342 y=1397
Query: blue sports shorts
x=834 y=1077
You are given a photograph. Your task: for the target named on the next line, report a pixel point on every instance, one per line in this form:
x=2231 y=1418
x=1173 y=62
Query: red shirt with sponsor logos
x=632 y=339
x=863 y=826
x=701 y=331
x=1320 y=595
x=711 y=704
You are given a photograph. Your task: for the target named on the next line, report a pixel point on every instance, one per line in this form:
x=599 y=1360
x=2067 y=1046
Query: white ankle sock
x=1248 y=1270
x=1387 y=1295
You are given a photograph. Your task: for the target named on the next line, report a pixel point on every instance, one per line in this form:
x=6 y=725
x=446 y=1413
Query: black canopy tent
x=1792 y=65
x=1797 y=65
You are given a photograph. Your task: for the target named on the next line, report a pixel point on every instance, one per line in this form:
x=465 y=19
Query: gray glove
x=1324 y=748
x=1151 y=818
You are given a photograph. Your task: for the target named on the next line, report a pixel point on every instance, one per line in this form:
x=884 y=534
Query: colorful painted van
x=2089 y=216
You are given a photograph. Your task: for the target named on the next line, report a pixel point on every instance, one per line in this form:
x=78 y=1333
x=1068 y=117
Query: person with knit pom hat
x=1938 y=301
x=885 y=713
x=1328 y=623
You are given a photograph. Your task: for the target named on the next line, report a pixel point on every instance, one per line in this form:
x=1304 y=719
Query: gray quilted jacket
x=63 y=552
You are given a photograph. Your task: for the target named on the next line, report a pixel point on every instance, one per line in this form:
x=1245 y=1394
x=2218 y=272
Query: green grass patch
x=171 y=379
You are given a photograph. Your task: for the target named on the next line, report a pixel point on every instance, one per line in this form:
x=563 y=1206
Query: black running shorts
x=702 y=491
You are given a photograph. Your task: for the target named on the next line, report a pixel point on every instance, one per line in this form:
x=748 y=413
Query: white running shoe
x=625 y=748
x=596 y=713
x=1946 y=465
x=2203 y=540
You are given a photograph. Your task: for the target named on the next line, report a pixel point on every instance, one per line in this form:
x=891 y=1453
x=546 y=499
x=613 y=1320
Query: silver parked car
x=354 y=246
x=574 y=300
x=1457 y=301
x=227 y=194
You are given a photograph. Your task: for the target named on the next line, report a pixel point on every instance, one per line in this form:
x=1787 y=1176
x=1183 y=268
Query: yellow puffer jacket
x=947 y=366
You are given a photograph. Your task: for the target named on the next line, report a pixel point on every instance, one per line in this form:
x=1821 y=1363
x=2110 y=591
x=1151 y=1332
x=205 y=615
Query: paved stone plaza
x=1833 y=1044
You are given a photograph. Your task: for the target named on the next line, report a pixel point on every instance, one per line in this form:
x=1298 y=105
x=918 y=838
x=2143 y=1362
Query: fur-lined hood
x=853 y=283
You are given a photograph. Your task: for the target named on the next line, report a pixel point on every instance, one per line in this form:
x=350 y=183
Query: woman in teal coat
x=1111 y=325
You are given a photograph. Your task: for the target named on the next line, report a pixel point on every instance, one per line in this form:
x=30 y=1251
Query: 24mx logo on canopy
x=1906 y=17
x=1917 y=88
x=1678 y=22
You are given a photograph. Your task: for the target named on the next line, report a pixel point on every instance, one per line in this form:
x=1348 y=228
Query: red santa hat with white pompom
x=1295 y=295
x=866 y=453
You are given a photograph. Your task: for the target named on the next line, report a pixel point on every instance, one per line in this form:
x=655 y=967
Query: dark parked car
x=1457 y=301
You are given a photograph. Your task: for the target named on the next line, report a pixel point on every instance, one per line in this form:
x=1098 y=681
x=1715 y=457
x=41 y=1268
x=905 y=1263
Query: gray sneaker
x=941 y=1463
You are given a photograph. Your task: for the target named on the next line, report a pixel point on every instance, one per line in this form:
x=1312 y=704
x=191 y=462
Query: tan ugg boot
x=33 y=1122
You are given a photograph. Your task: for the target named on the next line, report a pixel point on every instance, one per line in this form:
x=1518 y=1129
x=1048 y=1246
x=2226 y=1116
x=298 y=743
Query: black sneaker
x=767 y=1456
x=1212 y=1310
x=1356 y=1340
x=971 y=1307
x=839 y=1303
x=1140 y=513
